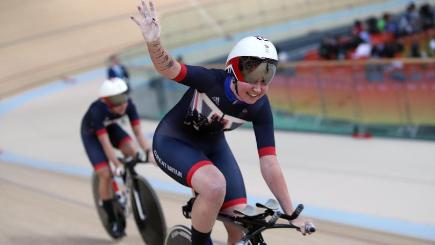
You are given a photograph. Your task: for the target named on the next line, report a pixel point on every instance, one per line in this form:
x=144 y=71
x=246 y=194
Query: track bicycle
x=252 y=222
x=134 y=195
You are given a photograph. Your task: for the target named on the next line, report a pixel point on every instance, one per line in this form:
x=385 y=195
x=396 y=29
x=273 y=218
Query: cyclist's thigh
x=94 y=151
x=118 y=137
x=224 y=160
x=178 y=159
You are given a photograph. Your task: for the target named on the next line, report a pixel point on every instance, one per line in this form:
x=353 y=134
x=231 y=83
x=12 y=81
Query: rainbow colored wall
x=376 y=94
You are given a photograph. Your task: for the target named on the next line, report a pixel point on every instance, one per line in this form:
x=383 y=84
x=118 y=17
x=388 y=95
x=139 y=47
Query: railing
x=394 y=98
x=380 y=97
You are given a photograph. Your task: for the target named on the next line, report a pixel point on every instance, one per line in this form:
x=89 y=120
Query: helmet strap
x=236 y=87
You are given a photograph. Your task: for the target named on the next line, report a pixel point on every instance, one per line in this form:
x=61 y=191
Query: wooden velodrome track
x=52 y=206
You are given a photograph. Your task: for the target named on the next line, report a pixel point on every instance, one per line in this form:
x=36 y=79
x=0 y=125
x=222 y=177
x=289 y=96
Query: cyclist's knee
x=209 y=183
x=215 y=190
x=104 y=174
x=128 y=149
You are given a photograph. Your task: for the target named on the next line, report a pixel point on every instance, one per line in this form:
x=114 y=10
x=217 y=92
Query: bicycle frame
x=131 y=183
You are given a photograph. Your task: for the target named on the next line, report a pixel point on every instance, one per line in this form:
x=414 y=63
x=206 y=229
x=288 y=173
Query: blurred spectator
x=363 y=51
x=283 y=55
x=357 y=28
x=180 y=59
x=158 y=85
x=382 y=37
x=415 y=50
x=426 y=16
x=328 y=48
x=360 y=31
x=372 y=25
x=116 y=69
x=432 y=46
x=390 y=25
x=409 y=23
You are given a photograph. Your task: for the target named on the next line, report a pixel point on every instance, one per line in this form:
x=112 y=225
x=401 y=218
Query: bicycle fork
x=137 y=200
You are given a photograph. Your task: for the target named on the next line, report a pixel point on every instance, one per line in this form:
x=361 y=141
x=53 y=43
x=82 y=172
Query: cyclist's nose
x=257 y=87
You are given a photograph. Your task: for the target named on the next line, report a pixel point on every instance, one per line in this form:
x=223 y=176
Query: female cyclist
x=101 y=132
x=189 y=143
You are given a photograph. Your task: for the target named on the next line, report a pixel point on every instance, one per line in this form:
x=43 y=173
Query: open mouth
x=252 y=94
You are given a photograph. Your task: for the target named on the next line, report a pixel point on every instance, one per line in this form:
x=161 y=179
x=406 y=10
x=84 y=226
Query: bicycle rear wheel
x=148 y=212
x=179 y=235
x=120 y=217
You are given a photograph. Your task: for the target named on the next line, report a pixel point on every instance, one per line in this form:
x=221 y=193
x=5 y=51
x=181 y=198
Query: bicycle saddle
x=248 y=211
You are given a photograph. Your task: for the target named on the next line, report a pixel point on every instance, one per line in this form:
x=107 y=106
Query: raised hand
x=147 y=22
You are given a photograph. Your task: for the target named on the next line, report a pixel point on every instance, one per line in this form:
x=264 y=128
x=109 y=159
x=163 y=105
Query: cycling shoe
x=116 y=230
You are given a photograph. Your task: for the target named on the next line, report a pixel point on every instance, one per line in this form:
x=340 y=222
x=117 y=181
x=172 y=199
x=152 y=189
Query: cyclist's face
x=119 y=109
x=251 y=92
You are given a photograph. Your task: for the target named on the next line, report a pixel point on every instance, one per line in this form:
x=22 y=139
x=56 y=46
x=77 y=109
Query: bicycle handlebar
x=295 y=213
x=309 y=228
x=130 y=162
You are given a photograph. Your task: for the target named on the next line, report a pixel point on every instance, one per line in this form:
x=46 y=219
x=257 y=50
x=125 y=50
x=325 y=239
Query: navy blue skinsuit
x=191 y=135
x=99 y=120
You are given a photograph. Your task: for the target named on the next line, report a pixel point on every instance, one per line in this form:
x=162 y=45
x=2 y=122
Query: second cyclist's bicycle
x=252 y=222
x=134 y=195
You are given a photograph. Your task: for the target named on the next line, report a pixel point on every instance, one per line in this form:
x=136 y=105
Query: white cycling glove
x=147 y=22
x=119 y=170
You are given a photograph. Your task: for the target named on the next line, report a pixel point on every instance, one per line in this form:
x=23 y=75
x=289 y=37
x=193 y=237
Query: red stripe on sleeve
x=135 y=122
x=101 y=131
x=182 y=73
x=270 y=150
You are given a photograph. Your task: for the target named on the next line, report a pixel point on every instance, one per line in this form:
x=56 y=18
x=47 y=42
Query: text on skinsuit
x=167 y=166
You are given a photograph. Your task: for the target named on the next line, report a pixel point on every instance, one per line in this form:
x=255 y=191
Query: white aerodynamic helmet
x=114 y=91
x=253 y=58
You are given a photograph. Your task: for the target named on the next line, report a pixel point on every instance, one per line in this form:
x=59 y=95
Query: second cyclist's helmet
x=114 y=91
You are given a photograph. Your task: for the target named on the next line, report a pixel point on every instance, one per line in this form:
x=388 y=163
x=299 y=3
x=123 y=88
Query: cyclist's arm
x=163 y=61
x=108 y=149
x=275 y=180
x=144 y=145
x=147 y=22
x=270 y=169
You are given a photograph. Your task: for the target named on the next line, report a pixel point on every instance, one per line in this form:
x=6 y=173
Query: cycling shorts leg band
x=234 y=202
x=194 y=168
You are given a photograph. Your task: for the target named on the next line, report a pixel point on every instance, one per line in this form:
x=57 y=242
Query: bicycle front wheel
x=147 y=212
x=179 y=235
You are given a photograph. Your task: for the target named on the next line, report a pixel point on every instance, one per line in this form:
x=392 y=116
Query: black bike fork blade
x=137 y=201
